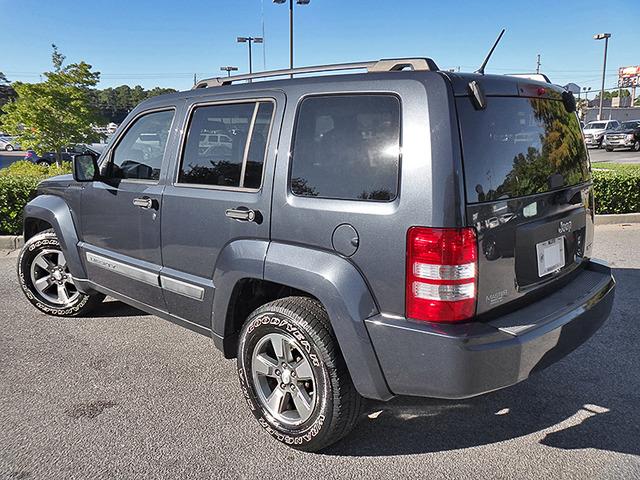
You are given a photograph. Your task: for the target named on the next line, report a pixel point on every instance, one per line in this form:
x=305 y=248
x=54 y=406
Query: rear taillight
x=441 y=274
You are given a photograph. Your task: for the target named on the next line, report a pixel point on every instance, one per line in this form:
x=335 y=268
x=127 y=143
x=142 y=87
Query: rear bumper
x=459 y=361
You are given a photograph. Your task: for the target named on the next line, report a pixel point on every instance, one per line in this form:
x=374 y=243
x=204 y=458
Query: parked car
x=625 y=136
x=9 y=144
x=67 y=154
x=32 y=156
x=336 y=249
x=594 y=131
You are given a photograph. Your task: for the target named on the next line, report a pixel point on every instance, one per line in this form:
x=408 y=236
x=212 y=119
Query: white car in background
x=594 y=131
x=9 y=144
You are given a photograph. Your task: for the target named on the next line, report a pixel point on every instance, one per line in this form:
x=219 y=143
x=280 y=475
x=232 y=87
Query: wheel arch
x=50 y=212
x=287 y=270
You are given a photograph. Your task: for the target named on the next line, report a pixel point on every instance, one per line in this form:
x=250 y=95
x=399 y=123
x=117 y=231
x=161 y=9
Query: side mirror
x=85 y=168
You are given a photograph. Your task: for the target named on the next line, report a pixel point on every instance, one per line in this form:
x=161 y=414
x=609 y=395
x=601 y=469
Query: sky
x=163 y=43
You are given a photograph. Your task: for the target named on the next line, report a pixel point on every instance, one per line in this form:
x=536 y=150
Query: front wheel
x=46 y=281
x=9 y=148
x=609 y=149
x=636 y=146
x=293 y=376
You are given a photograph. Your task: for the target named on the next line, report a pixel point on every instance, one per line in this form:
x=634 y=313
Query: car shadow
x=115 y=308
x=587 y=400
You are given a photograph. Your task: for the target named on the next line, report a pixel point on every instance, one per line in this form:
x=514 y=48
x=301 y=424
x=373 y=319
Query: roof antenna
x=486 y=59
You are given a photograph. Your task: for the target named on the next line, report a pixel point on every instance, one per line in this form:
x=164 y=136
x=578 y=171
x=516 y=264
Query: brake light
x=441 y=274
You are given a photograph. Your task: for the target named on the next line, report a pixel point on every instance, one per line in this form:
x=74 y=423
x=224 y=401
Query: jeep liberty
x=398 y=231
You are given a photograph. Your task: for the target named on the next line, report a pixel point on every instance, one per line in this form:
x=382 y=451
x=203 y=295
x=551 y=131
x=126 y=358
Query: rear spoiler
x=539 y=77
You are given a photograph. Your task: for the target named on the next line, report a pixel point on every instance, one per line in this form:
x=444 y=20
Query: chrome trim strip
x=134 y=273
x=182 y=288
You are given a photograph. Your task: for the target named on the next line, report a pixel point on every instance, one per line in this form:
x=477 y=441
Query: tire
x=43 y=250
x=609 y=149
x=43 y=163
x=332 y=405
x=9 y=148
x=636 y=146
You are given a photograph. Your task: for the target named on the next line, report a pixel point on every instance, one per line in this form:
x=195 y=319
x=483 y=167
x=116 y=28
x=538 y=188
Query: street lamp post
x=601 y=36
x=299 y=2
x=250 y=40
x=229 y=69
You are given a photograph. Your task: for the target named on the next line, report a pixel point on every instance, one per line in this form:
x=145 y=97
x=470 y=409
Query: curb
x=11 y=242
x=612 y=218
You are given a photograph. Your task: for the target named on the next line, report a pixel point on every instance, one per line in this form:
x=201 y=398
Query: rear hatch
x=528 y=192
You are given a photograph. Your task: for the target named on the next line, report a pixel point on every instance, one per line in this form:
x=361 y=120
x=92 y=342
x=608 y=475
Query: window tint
x=216 y=143
x=139 y=153
x=520 y=146
x=347 y=147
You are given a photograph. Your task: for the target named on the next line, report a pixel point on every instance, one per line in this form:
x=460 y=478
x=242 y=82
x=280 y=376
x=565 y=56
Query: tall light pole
x=601 y=36
x=250 y=40
x=299 y=2
x=229 y=69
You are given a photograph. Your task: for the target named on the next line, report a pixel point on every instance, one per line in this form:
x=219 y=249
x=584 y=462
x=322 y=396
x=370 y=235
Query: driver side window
x=138 y=154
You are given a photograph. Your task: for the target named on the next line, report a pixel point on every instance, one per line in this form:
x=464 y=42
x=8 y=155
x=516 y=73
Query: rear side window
x=520 y=146
x=226 y=145
x=347 y=147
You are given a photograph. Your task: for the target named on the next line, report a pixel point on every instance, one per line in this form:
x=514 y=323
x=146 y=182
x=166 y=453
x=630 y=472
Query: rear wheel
x=293 y=375
x=9 y=148
x=46 y=281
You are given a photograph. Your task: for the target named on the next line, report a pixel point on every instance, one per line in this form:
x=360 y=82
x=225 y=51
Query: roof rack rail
x=384 y=65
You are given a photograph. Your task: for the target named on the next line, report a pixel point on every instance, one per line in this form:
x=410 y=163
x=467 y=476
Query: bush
x=18 y=185
x=616 y=188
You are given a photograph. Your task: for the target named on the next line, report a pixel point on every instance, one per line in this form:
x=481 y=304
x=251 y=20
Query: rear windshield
x=596 y=126
x=520 y=146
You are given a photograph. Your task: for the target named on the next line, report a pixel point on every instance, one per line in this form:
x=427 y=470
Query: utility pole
x=299 y=2
x=229 y=69
x=250 y=40
x=605 y=37
x=538 y=64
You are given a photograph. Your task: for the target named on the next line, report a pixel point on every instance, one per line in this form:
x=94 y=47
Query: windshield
x=596 y=126
x=520 y=146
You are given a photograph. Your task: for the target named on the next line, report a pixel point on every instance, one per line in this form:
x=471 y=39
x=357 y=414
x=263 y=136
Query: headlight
x=629 y=136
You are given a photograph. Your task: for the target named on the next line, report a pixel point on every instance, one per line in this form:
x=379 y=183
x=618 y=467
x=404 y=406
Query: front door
x=121 y=214
x=221 y=192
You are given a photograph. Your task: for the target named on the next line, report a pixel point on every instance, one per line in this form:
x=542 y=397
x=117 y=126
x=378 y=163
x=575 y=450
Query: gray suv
x=402 y=231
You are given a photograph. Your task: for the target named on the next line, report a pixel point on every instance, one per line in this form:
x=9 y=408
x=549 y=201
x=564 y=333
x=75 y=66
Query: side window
x=226 y=145
x=139 y=153
x=347 y=147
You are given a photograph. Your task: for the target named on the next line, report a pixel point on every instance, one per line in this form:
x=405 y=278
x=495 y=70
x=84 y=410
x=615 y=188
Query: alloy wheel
x=283 y=378
x=51 y=278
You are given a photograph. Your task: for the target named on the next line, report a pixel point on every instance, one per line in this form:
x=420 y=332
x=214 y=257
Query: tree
x=53 y=114
x=7 y=93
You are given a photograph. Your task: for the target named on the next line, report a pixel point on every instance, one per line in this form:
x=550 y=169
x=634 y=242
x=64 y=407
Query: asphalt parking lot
x=126 y=395
x=617 y=156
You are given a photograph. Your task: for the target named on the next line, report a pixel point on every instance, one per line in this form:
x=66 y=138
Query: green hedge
x=616 y=187
x=18 y=184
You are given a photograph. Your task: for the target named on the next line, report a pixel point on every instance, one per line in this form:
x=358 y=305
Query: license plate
x=550 y=256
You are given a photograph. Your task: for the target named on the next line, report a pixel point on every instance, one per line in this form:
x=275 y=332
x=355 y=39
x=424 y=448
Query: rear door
x=527 y=180
x=219 y=192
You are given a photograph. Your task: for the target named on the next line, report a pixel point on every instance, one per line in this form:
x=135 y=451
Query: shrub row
x=18 y=184
x=616 y=187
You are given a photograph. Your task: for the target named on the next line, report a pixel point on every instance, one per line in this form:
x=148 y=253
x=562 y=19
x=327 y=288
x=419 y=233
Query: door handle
x=244 y=214
x=145 y=202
